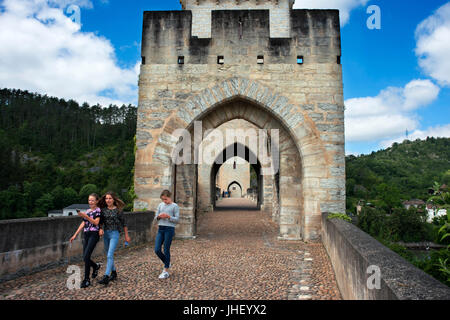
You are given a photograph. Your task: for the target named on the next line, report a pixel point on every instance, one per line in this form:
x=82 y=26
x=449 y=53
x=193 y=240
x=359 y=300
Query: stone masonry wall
x=31 y=245
x=202 y=14
x=306 y=100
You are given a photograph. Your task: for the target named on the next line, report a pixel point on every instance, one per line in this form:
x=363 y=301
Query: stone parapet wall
x=31 y=245
x=353 y=251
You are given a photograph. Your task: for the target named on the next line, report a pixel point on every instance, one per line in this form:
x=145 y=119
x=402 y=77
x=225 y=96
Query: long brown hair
x=117 y=202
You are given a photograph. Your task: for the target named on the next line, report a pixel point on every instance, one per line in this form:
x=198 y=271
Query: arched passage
x=310 y=179
x=248 y=155
x=289 y=209
x=244 y=172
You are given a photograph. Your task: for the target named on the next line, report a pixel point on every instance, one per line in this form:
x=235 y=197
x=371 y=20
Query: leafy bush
x=437 y=265
x=402 y=225
x=408 y=226
x=400 y=250
x=445 y=229
x=341 y=216
x=373 y=221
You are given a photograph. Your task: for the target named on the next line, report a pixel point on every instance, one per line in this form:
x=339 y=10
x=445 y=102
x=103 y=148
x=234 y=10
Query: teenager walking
x=90 y=226
x=167 y=215
x=112 y=224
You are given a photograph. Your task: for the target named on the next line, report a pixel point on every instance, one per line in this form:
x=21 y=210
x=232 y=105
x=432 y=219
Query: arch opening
x=232 y=187
x=311 y=175
x=279 y=194
x=231 y=152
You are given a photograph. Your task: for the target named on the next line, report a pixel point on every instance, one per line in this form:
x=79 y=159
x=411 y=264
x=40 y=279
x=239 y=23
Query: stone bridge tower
x=258 y=61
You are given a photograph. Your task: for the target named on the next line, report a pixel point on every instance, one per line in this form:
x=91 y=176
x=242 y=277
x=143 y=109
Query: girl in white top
x=167 y=215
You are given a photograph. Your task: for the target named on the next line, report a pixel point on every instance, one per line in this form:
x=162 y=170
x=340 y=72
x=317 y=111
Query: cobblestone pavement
x=236 y=256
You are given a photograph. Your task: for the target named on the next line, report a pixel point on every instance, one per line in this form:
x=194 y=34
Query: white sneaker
x=164 y=275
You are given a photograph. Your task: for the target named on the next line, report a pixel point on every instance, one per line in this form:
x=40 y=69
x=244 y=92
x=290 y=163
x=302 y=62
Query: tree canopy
x=57 y=152
x=402 y=172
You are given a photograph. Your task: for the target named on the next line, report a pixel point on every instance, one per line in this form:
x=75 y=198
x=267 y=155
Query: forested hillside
x=403 y=172
x=55 y=151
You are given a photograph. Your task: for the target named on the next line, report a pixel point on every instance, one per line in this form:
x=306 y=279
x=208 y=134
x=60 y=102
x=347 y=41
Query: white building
x=432 y=213
x=55 y=213
x=69 y=211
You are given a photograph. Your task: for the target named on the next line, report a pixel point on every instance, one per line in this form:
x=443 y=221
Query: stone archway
x=229 y=152
x=290 y=217
x=232 y=189
x=206 y=173
x=311 y=176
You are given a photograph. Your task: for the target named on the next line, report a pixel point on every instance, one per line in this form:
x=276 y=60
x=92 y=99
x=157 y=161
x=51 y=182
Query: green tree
x=390 y=195
x=43 y=205
x=373 y=221
x=446 y=178
x=47 y=140
x=13 y=204
x=407 y=225
x=85 y=191
x=70 y=197
x=32 y=191
x=74 y=177
x=58 y=197
x=350 y=187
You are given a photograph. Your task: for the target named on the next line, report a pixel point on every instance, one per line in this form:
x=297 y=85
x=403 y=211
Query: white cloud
x=345 y=6
x=388 y=114
x=437 y=132
x=42 y=50
x=433 y=45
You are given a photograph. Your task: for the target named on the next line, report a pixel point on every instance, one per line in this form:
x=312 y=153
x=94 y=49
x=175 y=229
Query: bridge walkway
x=236 y=256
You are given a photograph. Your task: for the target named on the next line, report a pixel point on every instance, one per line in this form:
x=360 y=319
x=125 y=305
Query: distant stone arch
x=235 y=183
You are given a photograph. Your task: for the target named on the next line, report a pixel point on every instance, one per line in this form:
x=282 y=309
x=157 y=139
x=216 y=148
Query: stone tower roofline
x=279 y=11
x=237 y=2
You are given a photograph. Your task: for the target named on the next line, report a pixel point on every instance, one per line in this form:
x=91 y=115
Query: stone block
x=330 y=127
x=332 y=183
x=328 y=107
x=143 y=136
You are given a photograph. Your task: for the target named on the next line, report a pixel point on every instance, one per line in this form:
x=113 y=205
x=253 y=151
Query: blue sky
x=376 y=59
x=386 y=89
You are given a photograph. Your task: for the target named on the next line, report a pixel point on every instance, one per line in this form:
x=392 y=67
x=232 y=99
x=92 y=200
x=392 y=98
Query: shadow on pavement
x=236 y=204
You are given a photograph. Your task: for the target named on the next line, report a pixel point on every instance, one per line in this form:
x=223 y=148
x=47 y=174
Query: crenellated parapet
x=202 y=14
x=240 y=36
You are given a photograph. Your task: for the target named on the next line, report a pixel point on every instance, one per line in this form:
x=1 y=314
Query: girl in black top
x=90 y=225
x=112 y=224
